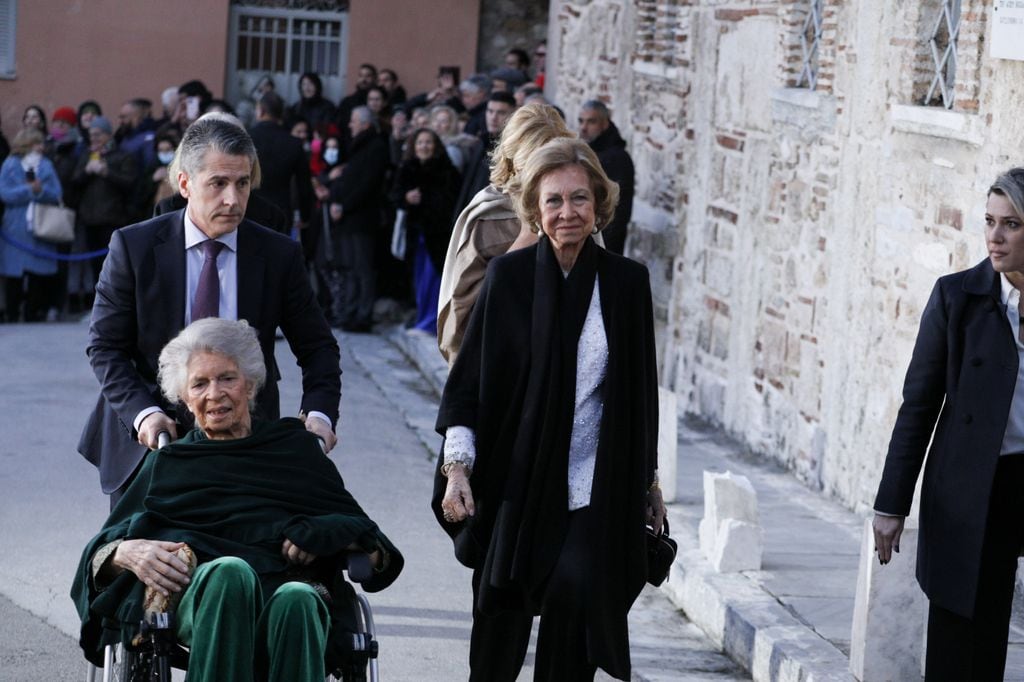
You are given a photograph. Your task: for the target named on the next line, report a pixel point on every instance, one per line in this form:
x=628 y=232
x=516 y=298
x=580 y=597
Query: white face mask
x=165 y=157
x=32 y=159
x=331 y=156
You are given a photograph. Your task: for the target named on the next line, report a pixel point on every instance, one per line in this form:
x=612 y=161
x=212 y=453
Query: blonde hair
x=24 y=141
x=529 y=128
x=556 y=154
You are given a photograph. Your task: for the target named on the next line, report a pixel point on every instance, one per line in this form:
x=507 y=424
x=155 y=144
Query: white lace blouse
x=591 y=367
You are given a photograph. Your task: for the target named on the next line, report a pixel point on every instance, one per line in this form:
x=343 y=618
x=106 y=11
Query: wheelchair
x=151 y=656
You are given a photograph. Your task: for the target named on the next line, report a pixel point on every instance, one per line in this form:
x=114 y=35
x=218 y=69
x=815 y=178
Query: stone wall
x=793 y=235
x=505 y=24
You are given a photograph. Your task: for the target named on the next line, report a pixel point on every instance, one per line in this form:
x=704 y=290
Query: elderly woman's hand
x=294 y=555
x=457 y=503
x=888 y=530
x=656 y=511
x=154 y=562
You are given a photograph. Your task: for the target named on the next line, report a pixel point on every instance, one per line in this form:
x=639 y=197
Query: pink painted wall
x=68 y=51
x=413 y=38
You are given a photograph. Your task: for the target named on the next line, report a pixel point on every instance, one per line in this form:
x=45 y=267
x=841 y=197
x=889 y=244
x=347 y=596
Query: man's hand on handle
x=152 y=425
x=323 y=430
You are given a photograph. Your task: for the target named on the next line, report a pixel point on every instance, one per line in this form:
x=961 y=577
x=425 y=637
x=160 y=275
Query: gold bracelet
x=447 y=467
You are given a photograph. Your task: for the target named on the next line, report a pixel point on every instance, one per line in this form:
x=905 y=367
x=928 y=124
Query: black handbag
x=661 y=552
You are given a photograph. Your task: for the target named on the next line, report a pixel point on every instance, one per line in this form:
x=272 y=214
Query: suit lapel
x=250 y=263
x=169 y=252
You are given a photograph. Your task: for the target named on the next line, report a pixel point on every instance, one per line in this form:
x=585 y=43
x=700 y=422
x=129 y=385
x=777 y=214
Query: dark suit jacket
x=960 y=383
x=140 y=306
x=282 y=161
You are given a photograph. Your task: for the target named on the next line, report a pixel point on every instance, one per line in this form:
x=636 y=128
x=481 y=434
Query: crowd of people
x=372 y=186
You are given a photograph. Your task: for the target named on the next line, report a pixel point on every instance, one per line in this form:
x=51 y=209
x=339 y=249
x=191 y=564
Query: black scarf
x=531 y=521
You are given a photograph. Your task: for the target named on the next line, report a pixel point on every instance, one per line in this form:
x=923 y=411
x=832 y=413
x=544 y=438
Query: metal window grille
x=943 y=48
x=810 y=41
x=8 y=25
x=284 y=43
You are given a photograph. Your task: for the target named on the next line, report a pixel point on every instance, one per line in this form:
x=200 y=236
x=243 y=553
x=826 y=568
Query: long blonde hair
x=530 y=128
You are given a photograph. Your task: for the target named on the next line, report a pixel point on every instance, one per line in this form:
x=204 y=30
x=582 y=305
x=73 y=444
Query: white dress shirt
x=1013 y=438
x=591 y=368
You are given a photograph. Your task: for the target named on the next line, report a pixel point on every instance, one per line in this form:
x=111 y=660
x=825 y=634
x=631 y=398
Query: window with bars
x=288 y=45
x=8 y=25
x=942 y=44
x=810 y=42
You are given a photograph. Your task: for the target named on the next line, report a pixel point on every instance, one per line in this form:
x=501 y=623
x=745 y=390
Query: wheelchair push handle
x=163 y=439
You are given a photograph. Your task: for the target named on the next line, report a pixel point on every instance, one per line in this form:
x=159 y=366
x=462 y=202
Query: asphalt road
x=50 y=505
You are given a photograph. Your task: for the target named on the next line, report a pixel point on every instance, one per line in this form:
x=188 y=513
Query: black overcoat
x=486 y=390
x=438 y=182
x=960 y=383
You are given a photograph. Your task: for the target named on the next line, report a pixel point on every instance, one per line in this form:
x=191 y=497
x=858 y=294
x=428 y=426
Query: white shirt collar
x=1006 y=289
x=193 y=235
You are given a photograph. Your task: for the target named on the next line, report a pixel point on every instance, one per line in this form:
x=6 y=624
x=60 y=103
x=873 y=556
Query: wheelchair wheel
x=123 y=665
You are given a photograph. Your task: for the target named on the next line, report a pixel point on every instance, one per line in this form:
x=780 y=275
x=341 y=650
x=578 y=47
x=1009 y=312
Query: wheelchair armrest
x=359 y=567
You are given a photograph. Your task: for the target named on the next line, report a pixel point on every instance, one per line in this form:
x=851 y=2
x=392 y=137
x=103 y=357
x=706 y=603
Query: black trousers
x=358 y=277
x=974 y=649
x=499 y=641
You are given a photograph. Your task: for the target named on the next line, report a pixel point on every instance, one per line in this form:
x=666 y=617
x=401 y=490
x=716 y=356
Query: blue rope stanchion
x=52 y=255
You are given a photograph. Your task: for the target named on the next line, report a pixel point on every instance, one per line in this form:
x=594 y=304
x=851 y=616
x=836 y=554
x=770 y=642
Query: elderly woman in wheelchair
x=242 y=524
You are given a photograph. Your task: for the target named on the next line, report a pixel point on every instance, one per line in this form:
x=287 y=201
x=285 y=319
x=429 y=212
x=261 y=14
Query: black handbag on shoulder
x=661 y=552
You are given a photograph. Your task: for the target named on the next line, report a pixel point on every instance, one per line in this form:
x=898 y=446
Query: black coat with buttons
x=960 y=384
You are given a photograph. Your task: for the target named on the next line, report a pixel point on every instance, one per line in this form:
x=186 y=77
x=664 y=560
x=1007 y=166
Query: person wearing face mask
x=156 y=175
x=27 y=178
x=316 y=239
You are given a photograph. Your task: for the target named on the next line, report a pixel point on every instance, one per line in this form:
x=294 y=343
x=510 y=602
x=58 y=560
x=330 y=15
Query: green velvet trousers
x=234 y=637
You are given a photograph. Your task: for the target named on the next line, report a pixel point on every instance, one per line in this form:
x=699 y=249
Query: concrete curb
x=749 y=623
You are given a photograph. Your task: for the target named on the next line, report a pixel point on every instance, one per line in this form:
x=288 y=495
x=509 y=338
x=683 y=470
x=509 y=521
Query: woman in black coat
x=550 y=418
x=312 y=107
x=964 y=383
x=425 y=188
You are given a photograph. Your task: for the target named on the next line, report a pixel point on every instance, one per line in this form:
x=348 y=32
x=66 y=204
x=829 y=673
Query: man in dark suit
x=355 y=211
x=498 y=110
x=151 y=287
x=282 y=160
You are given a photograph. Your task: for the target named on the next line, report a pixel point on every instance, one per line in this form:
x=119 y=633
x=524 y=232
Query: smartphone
x=30 y=175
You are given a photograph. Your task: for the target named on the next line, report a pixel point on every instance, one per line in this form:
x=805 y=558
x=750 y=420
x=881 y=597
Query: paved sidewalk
x=792 y=619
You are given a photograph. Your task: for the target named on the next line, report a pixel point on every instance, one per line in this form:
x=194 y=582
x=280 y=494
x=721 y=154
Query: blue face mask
x=331 y=155
x=165 y=157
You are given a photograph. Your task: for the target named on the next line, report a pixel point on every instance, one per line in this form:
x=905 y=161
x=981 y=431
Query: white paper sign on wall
x=1008 y=30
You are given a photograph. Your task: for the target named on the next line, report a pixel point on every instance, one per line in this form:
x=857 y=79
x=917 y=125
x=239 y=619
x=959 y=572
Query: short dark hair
x=390 y=72
x=521 y=55
x=272 y=105
x=506 y=97
x=597 y=105
x=369 y=66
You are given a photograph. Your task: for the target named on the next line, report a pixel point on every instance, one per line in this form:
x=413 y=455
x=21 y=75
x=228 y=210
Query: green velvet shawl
x=229 y=498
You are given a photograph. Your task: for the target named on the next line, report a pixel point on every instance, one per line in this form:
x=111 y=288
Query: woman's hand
x=335 y=172
x=457 y=503
x=336 y=212
x=322 y=193
x=656 y=511
x=294 y=555
x=888 y=530
x=160 y=174
x=413 y=197
x=154 y=562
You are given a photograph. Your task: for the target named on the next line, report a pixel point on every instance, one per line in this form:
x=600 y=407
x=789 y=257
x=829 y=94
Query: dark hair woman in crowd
x=550 y=418
x=157 y=176
x=27 y=178
x=312 y=105
x=35 y=117
x=426 y=187
x=316 y=240
x=965 y=385
x=87 y=111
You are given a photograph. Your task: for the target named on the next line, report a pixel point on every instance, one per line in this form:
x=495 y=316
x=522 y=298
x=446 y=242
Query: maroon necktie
x=207 y=299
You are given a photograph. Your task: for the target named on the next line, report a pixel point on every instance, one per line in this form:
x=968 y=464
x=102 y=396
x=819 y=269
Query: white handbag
x=53 y=224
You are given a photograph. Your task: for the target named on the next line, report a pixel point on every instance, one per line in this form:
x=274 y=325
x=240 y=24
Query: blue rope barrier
x=52 y=255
